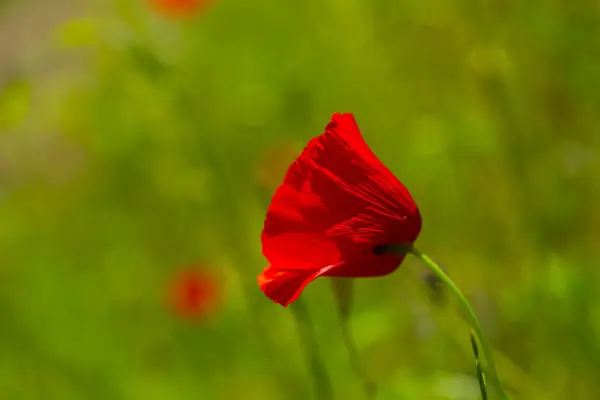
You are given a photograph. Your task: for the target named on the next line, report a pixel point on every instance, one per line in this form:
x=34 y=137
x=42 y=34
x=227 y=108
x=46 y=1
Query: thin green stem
x=478 y=368
x=322 y=383
x=342 y=289
x=487 y=352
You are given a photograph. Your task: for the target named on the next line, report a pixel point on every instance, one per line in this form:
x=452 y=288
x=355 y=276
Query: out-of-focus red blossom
x=274 y=164
x=336 y=204
x=180 y=8
x=194 y=294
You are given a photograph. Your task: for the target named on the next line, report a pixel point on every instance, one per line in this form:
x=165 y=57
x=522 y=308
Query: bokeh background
x=140 y=145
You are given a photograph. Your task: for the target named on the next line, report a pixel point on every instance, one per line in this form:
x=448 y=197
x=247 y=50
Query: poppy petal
x=300 y=251
x=367 y=228
x=366 y=266
x=339 y=187
x=284 y=286
x=342 y=155
x=311 y=199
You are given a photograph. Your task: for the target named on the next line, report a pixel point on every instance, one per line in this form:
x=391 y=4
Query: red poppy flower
x=336 y=204
x=179 y=8
x=193 y=294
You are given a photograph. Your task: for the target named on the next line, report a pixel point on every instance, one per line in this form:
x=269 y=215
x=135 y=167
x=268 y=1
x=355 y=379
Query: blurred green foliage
x=139 y=154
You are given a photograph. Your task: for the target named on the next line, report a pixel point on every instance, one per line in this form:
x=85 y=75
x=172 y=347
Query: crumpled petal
x=300 y=251
x=284 y=286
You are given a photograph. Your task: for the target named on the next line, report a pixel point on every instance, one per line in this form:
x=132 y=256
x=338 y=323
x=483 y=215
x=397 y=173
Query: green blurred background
x=134 y=144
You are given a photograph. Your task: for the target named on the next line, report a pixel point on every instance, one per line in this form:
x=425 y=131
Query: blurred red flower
x=336 y=204
x=179 y=8
x=274 y=163
x=194 y=293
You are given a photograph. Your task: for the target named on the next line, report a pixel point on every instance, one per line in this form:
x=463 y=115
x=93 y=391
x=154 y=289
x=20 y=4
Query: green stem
x=322 y=383
x=478 y=369
x=487 y=352
x=342 y=289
